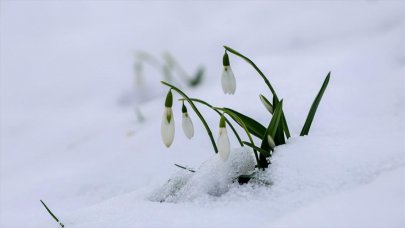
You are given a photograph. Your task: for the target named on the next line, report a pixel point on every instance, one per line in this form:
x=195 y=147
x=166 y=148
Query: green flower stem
x=244 y=128
x=286 y=130
x=254 y=66
x=219 y=113
x=196 y=112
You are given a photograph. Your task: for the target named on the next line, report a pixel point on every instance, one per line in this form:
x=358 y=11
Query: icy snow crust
x=213 y=178
x=69 y=135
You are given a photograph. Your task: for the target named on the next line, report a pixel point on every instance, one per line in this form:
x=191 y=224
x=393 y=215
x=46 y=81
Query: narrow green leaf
x=266 y=103
x=314 y=107
x=279 y=137
x=285 y=127
x=185 y=168
x=50 y=212
x=262 y=151
x=254 y=127
x=273 y=126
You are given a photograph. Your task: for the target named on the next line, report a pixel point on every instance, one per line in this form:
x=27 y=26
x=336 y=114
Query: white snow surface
x=67 y=138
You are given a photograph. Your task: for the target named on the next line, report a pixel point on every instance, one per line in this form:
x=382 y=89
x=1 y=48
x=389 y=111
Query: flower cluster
x=271 y=135
x=168 y=128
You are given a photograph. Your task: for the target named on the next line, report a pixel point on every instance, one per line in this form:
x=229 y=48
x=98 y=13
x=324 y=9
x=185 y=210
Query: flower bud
x=167 y=127
x=187 y=124
x=228 y=81
x=223 y=140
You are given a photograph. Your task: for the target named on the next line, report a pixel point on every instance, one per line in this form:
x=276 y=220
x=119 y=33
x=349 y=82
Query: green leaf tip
x=169 y=99
x=314 y=107
x=266 y=103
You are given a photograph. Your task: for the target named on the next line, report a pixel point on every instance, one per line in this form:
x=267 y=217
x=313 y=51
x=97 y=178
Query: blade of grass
x=314 y=107
x=50 y=212
x=185 y=168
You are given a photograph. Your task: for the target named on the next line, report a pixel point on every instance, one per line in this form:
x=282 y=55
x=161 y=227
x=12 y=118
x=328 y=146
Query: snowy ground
x=65 y=67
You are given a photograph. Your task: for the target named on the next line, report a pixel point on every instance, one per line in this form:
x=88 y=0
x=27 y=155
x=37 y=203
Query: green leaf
x=279 y=137
x=262 y=151
x=50 y=212
x=254 y=127
x=185 y=168
x=285 y=127
x=266 y=103
x=220 y=114
x=314 y=107
x=273 y=126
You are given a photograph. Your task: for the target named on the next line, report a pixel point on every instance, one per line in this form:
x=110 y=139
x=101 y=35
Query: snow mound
x=213 y=179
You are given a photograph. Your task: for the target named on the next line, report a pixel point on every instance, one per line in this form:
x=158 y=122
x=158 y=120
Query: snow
x=69 y=134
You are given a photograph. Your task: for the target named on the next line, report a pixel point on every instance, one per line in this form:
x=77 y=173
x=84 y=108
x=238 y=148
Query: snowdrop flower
x=223 y=140
x=187 y=124
x=167 y=127
x=228 y=79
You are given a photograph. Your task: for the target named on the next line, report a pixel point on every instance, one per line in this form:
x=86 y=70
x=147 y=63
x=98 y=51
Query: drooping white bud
x=228 y=81
x=224 y=147
x=187 y=125
x=167 y=127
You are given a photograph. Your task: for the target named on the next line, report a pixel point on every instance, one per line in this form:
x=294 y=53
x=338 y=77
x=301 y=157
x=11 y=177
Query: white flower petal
x=224 y=81
x=167 y=128
x=232 y=81
x=223 y=144
x=187 y=125
x=228 y=81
